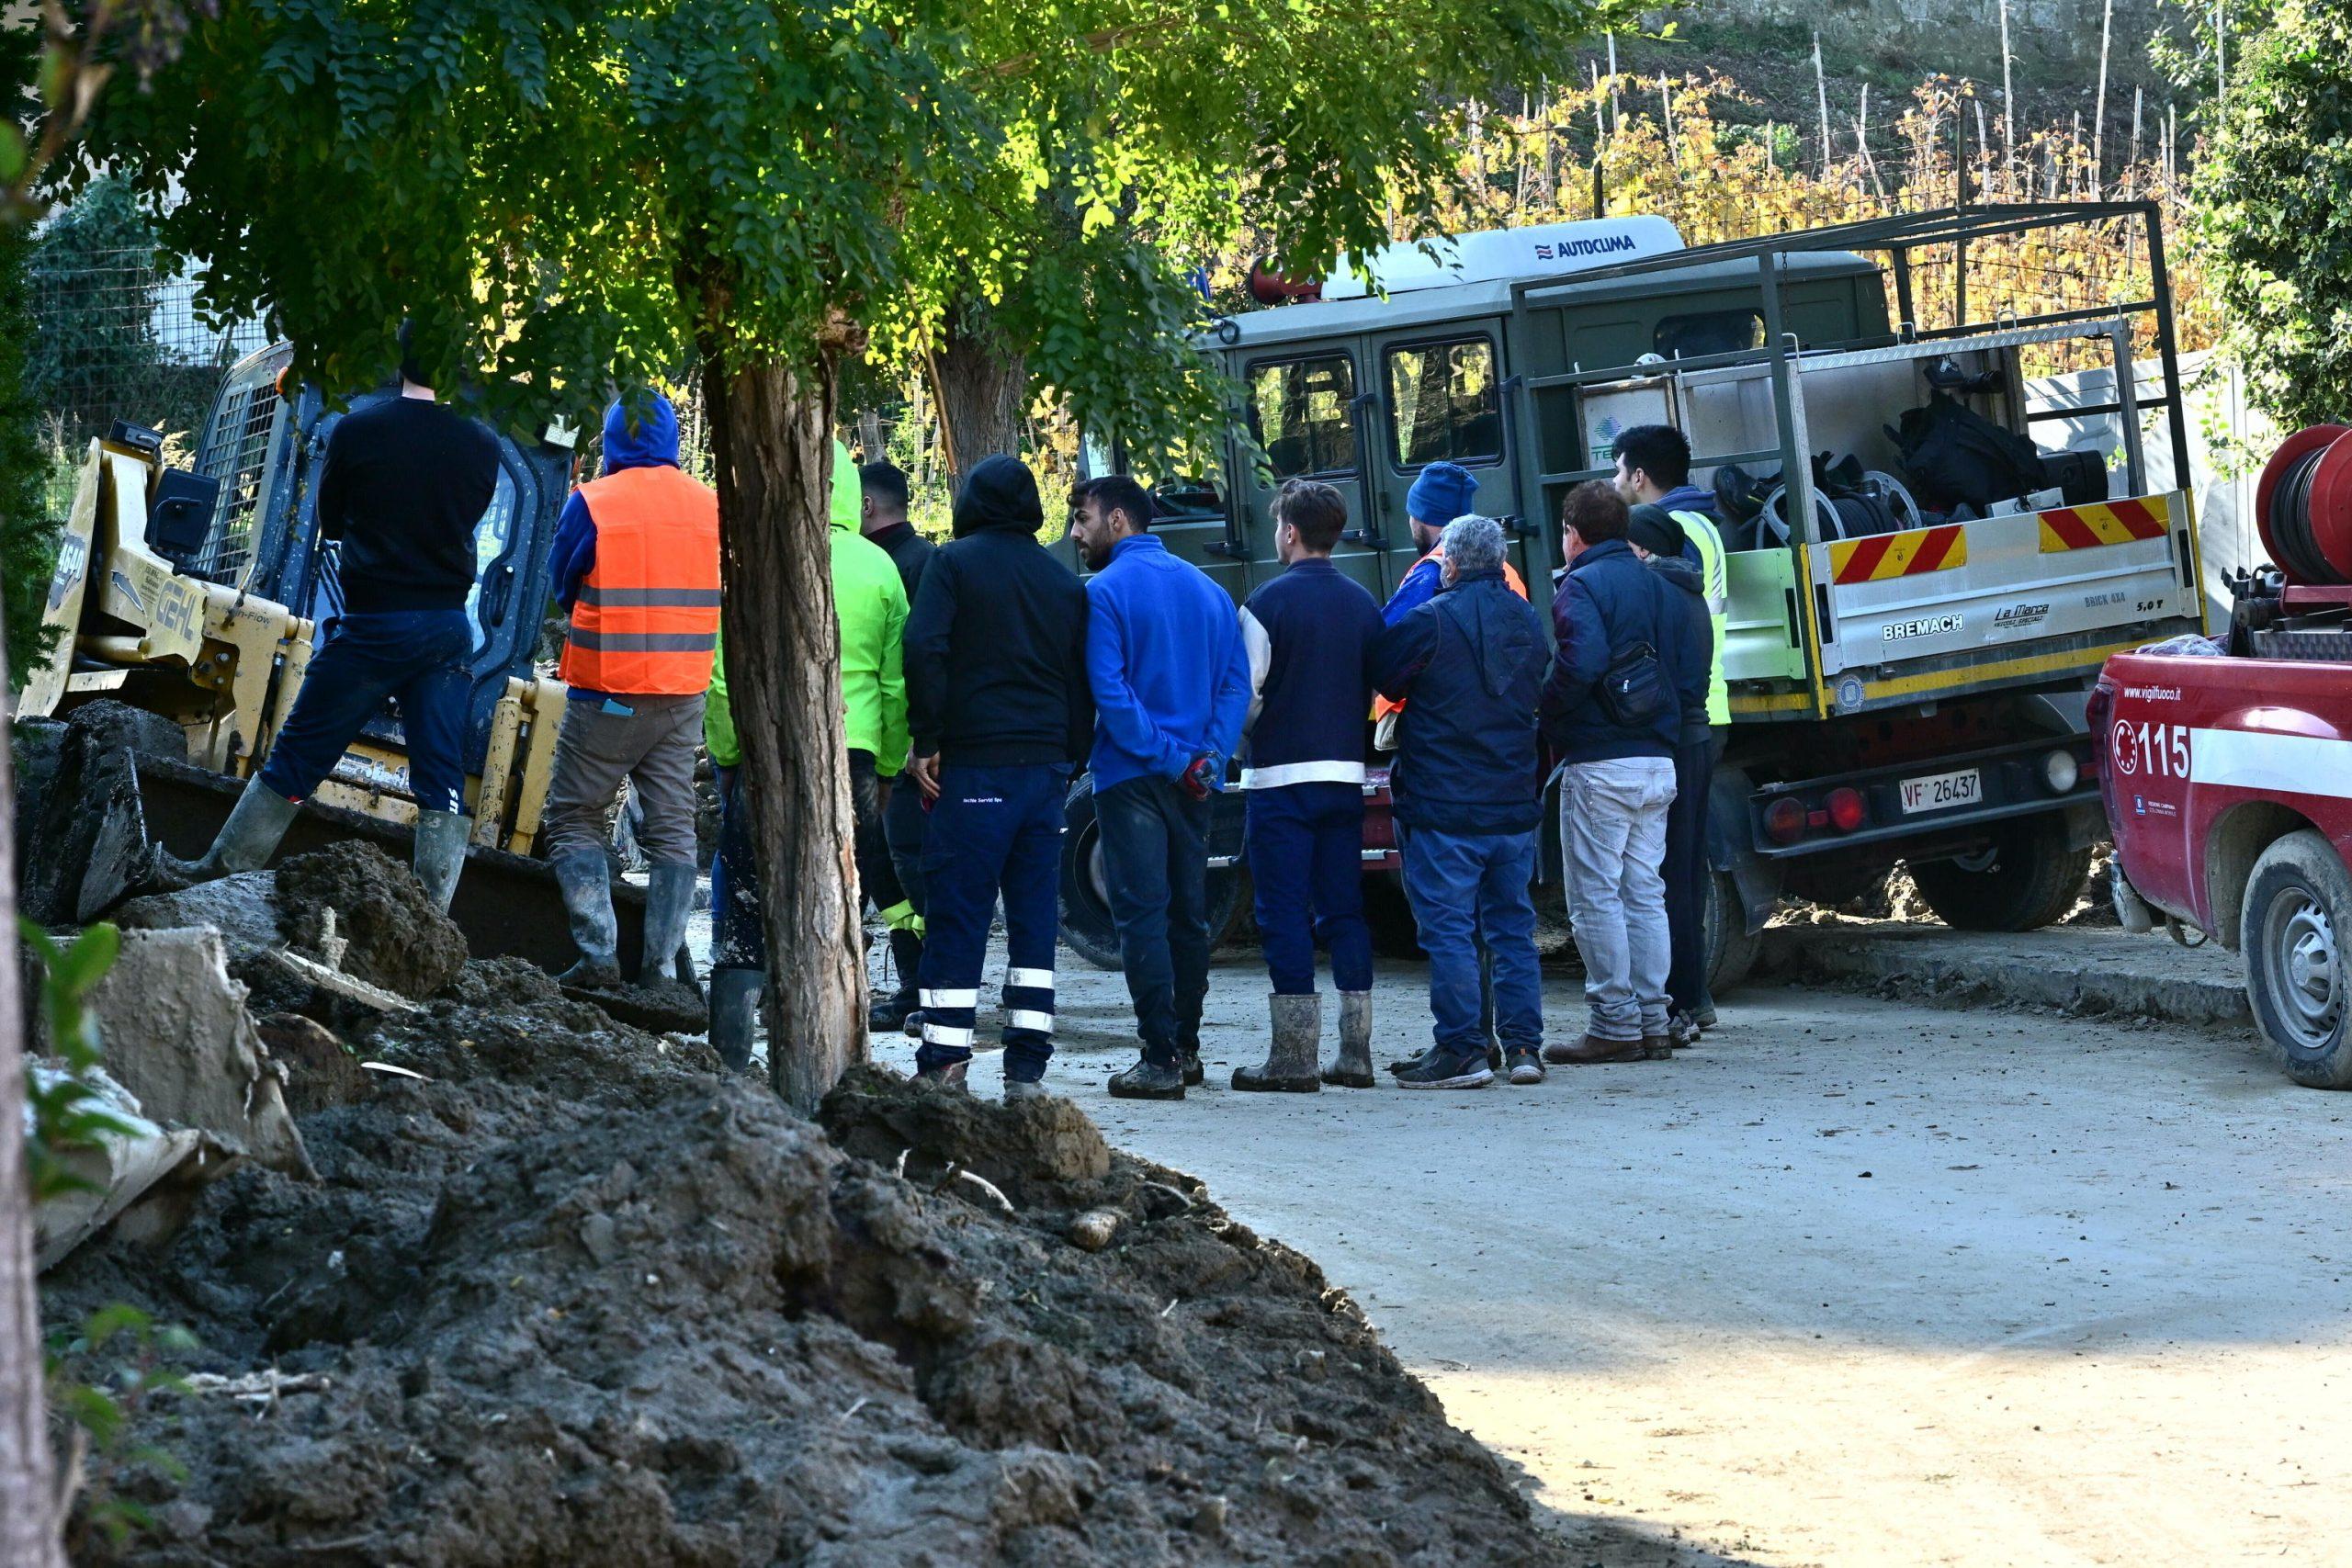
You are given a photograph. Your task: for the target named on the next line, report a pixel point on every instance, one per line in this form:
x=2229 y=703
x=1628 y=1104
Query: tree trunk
x=772 y=440
x=978 y=384
x=28 y=1510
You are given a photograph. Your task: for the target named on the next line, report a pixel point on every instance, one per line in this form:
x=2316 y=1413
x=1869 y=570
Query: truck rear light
x=1846 y=811
x=1784 y=819
x=2061 y=771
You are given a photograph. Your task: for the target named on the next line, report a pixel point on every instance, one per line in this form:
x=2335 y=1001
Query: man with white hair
x=1467 y=807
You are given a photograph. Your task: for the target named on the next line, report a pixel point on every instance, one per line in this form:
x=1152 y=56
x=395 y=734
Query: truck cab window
x=1442 y=403
x=1709 y=331
x=1299 y=410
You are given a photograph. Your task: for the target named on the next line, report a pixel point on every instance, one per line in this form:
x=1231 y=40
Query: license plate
x=1939 y=792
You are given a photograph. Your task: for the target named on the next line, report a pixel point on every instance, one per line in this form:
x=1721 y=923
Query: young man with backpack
x=1613 y=708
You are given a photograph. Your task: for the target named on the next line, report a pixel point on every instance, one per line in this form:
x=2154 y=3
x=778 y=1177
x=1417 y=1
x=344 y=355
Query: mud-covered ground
x=573 y=1297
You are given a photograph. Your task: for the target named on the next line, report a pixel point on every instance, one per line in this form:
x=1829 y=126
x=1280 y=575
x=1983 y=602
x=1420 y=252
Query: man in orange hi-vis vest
x=635 y=562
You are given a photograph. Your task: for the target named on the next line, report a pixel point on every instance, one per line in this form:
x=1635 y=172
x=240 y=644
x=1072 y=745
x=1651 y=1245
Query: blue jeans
x=1156 y=863
x=1305 y=848
x=993 y=831
x=417 y=655
x=1461 y=884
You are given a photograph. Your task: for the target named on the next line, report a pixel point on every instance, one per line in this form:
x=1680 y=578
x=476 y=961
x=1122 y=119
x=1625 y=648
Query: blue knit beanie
x=1442 y=493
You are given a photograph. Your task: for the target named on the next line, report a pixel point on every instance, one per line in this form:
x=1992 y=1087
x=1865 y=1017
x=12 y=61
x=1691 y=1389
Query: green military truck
x=1907 y=677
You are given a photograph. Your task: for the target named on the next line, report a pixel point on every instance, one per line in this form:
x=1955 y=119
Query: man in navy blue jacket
x=1471 y=660
x=1172 y=685
x=1608 y=611
x=1309 y=634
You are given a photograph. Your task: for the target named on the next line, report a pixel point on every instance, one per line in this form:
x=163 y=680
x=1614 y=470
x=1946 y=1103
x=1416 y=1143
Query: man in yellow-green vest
x=1654 y=470
x=871 y=603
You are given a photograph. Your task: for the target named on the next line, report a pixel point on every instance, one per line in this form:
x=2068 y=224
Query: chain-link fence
x=115 y=336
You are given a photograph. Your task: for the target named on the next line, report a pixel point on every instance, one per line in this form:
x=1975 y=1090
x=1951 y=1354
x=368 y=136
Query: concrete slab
x=2076 y=970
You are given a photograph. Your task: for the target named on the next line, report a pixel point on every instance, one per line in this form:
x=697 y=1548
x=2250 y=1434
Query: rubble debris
x=243 y=907
x=395 y=937
x=177 y=1037
x=584 y=1298
x=662 y=1008
x=64 y=805
x=319 y=1073
x=144 y=1181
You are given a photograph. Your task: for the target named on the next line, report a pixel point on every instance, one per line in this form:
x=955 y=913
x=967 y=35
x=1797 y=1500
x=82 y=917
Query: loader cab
x=264 y=442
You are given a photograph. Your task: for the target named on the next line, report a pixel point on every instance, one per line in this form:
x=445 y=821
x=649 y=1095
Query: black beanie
x=1654 y=529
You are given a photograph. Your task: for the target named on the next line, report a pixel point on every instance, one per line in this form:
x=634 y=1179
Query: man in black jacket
x=996 y=703
x=1471 y=660
x=883 y=518
x=406 y=481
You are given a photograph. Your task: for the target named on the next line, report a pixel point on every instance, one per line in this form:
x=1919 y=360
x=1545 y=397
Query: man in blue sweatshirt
x=1172 y=686
x=1309 y=634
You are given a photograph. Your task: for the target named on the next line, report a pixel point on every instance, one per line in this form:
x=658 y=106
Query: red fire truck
x=2227 y=777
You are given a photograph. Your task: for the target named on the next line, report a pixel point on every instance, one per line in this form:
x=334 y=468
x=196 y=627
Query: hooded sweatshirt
x=652 y=443
x=996 y=643
x=871 y=604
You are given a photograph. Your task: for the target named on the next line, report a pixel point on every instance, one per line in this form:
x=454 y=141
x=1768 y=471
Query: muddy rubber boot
x=1290 y=1064
x=438 y=856
x=1148 y=1079
x=246 y=841
x=1017 y=1090
x=588 y=903
x=734 y=1007
x=1352 y=1067
x=669 y=899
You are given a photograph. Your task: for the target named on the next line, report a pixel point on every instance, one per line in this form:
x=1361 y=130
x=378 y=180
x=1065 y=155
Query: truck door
x=1307 y=409
x=1439 y=399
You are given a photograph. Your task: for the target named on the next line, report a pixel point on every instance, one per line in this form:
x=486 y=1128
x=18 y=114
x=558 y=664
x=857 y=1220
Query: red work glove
x=1200 y=778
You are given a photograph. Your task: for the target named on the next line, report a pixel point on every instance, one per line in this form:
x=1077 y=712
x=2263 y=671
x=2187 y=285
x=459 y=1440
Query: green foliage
x=66 y=1116
x=126 y=1358
x=2272 y=201
x=573 y=193
x=28 y=531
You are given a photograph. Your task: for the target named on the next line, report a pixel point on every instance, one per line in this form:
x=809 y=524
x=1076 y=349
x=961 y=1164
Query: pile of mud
x=575 y=1297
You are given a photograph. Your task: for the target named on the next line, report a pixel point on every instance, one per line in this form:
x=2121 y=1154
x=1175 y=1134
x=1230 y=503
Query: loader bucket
x=505 y=904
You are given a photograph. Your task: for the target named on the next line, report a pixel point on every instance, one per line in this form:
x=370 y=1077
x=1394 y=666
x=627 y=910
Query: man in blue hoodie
x=636 y=566
x=1613 y=702
x=1170 y=682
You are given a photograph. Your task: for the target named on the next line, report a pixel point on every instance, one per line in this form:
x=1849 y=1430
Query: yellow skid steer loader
x=199 y=595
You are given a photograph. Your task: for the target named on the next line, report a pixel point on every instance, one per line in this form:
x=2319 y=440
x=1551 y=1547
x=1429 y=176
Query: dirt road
x=1856 y=1282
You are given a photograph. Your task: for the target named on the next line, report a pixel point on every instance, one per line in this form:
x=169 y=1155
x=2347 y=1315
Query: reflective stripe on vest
x=645 y=621
x=1714 y=570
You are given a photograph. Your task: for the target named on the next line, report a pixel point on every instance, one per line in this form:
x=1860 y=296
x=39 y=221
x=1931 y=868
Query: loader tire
x=2026 y=879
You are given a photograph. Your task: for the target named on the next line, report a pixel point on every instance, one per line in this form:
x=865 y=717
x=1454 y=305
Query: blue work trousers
x=1463 y=884
x=1156 y=869
x=417 y=657
x=994 y=832
x=1304 y=844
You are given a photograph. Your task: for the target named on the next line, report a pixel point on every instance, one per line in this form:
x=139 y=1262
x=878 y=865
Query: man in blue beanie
x=1441 y=492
